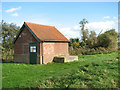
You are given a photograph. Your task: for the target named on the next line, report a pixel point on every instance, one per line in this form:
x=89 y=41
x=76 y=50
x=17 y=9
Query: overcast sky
x=64 y=16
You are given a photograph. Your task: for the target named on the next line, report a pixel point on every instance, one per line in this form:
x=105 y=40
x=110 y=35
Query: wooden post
x=40 y=59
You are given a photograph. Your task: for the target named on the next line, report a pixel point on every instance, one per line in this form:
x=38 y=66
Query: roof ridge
x=39 y=24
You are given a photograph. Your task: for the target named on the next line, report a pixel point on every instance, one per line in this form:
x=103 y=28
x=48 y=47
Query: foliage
x=92 y=40
x=83 y=30
x=88 y=51
x=90 y=71
x=108 y=39
x=8 y=33
x=74 y=42
x=83 y=44
x=104 y=43
x=89 y=38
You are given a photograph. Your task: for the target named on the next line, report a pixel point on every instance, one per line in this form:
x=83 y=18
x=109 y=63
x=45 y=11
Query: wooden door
x=33 y=53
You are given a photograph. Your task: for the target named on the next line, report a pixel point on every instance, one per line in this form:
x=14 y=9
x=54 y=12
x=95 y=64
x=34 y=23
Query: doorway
x=33 y=53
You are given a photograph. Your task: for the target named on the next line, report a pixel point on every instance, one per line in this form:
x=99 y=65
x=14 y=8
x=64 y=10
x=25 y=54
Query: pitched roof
x=46 y=33
x=43 y=33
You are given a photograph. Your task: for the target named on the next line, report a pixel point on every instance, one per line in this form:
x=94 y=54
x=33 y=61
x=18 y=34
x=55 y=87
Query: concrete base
x=62 y=59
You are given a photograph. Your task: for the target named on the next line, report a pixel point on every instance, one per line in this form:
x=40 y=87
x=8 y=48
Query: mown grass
x=91 y=71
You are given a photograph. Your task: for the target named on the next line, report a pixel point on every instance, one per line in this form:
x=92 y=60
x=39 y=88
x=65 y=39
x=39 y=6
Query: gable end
x=21 y=29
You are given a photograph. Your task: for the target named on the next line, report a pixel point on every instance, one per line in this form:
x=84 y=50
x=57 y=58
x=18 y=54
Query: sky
x=65 y=16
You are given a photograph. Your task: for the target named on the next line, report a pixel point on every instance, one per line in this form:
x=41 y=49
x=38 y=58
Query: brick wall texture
x=53 y=49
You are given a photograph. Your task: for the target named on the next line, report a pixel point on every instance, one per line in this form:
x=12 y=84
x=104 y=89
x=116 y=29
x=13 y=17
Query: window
x=32 y=48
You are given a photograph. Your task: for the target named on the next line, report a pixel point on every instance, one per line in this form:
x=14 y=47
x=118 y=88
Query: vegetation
x=83 y=30
x=91 y=71
x=8 y=34
x=87 y=51
x=108 y=39
x=91 y=43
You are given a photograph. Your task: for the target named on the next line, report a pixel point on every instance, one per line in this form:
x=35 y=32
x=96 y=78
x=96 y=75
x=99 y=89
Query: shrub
x=101 y=48
x=87 y=51
x=78 y=52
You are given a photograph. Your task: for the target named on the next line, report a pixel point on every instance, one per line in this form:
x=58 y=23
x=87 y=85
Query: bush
x=101 y=48
x=78 y=52
x=87 y=51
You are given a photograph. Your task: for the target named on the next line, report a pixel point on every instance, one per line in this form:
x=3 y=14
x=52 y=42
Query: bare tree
x=83 y=30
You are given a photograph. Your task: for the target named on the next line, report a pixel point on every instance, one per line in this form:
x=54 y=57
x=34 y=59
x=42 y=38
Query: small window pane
x=33 y=49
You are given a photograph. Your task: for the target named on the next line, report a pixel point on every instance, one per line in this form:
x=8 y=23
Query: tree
x=83 y=30
x=74 y=42
x=92 y=39
x=8 y=33
x=103 y=40
x=108 y=39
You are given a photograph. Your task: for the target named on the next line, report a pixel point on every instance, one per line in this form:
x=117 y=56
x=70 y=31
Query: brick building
x=38 y=44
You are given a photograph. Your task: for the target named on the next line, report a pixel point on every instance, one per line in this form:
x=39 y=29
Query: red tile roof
x=46 y=33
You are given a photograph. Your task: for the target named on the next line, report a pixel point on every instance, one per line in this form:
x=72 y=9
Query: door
x=33 y=53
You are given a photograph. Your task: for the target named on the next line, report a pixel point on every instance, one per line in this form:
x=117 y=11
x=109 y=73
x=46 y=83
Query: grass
x=91 y=71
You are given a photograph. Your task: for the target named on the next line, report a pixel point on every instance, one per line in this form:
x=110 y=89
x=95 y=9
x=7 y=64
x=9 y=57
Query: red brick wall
x=48 y=52
x=21 y=47
x=52 y=49
x=61 y=49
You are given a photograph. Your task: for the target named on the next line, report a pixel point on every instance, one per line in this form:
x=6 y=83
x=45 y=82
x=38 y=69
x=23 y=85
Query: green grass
x=91 y=71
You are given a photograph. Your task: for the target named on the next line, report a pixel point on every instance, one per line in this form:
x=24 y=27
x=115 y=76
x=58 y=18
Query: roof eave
x=57 y=41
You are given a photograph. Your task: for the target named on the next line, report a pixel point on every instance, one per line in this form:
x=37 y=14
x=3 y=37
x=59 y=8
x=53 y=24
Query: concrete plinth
x=62 y=59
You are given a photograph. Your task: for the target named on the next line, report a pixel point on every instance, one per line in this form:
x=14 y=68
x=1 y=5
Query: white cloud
x=114 y=17
x=98 y=26
x=13 y=9
x=70 y=32
x=76 y=27
x=11 y=22
x=106 y=17
x=15 y=14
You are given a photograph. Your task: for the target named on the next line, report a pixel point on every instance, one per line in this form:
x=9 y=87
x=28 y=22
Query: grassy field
x=91 y=71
